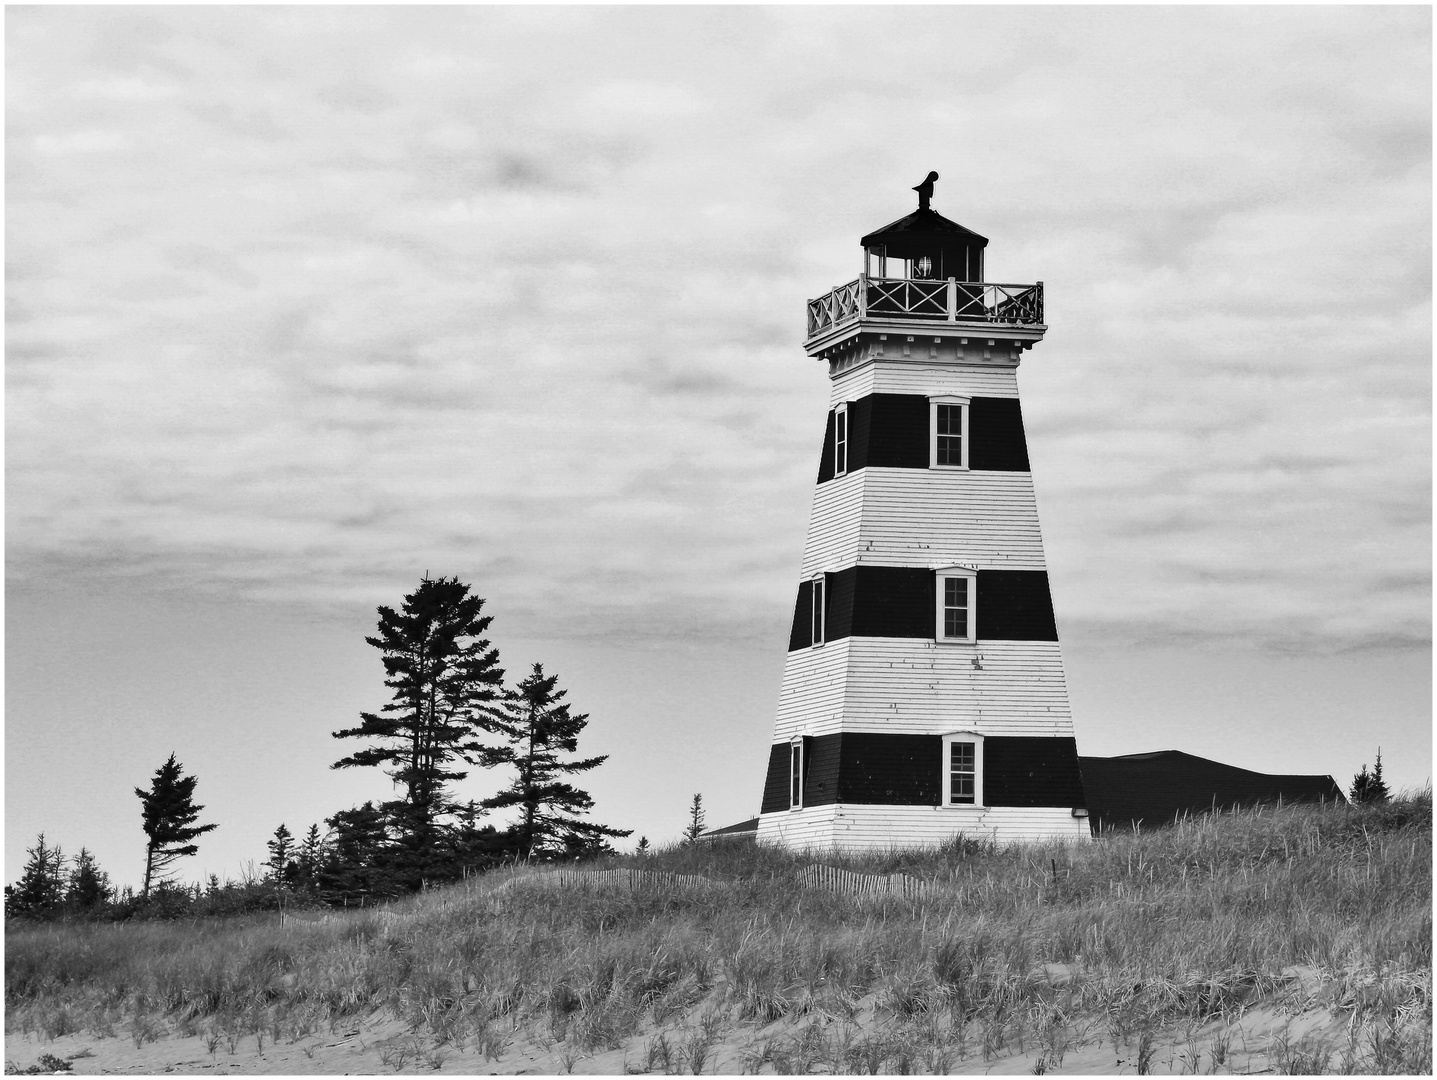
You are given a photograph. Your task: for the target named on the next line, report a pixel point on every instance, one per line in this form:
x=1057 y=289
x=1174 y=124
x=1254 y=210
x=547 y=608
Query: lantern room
x=925 y=245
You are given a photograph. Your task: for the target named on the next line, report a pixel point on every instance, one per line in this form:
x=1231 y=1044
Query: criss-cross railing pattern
x=842 y=304
x=947 y=301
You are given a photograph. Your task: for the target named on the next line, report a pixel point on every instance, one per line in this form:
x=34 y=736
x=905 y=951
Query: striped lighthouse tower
x=923 y=695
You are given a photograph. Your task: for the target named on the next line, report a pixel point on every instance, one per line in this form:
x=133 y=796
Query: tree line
x=449 y=710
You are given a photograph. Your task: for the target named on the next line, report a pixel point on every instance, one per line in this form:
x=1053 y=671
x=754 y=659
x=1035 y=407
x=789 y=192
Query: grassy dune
x=1153 y=946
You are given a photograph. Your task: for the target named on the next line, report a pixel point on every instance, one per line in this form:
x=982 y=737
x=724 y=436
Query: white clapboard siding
x=876 y=828
x=908 y=686
x=834 y=524
x=897 y=377
x=925 y=517
x=814 y=681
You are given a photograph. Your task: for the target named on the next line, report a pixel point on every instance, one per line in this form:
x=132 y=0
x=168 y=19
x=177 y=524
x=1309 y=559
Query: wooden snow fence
x=865 y=886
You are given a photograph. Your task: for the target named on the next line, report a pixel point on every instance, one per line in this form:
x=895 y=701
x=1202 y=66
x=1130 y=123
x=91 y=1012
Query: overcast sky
x=305 y=302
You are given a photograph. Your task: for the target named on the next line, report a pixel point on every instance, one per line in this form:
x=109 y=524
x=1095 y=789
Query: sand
x=1267 y=1033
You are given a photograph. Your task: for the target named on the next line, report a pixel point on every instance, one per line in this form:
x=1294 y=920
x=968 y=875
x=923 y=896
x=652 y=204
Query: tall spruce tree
x=444 y=677
x=168 y=813
x=540 y=732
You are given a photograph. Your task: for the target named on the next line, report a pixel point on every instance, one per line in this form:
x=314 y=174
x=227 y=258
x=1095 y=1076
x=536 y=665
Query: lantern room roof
x=921 y=229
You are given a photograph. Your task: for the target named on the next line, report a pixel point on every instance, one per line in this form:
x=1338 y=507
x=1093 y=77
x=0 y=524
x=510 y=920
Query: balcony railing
x=936 y=301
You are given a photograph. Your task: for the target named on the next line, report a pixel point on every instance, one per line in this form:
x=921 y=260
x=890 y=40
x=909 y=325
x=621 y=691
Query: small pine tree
x=357 y=862
x=280 y=848
x=539 y=727
x=696 y=820
x=41 y=887
x=311 y=848
x=168 y=813
x=643 y=848
x=89 y=886
x=1369 y=787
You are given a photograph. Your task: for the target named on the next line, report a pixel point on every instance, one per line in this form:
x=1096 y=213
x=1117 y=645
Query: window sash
x=962 y=773
x=795 y=775
x=956 y=602
x=840 y=442
x=818 y=610
x=955 y=607
x=949 y=433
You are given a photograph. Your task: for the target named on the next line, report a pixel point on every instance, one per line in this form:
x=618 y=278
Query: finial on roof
x=925 y=191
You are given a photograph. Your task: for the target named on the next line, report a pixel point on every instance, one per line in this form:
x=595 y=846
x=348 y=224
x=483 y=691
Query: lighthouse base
x=877 y=828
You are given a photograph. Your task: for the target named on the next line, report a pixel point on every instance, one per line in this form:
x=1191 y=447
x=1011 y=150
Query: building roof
x=743 y=828
x=1155 y=788
x=922 y=225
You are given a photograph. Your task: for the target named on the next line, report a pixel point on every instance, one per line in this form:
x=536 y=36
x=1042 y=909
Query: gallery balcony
x=927 y=302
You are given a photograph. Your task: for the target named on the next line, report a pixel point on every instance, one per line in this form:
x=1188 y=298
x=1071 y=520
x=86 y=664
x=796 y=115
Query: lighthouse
x=923 y=695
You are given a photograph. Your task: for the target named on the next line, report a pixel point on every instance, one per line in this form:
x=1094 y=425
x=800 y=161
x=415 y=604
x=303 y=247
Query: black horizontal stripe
x=900 y=601
x=877 y=769
x=892 y=431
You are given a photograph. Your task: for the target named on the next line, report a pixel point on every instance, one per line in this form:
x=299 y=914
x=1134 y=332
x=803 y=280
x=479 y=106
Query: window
x=963 y=769
x=840 y=440
x=818 y=612
x=948 y=432
x=795 y=774
x=957 y=604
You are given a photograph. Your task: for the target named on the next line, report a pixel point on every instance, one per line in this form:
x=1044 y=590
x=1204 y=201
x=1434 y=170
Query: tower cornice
x=975 y=346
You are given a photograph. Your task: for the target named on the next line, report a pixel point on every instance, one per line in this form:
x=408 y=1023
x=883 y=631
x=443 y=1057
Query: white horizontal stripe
x=870 y=828
x=924 y=517
x=911 y=686
x=899 y=377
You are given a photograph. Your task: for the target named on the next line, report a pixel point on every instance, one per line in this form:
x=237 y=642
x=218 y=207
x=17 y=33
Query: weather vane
x=925 y=191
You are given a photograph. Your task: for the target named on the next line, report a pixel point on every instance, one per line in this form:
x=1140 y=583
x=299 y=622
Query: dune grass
x=1034 y=947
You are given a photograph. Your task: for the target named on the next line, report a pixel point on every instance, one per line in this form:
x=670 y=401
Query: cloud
x=305 y=299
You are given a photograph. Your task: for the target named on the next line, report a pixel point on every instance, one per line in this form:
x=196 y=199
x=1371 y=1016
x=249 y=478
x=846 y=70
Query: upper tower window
x=956 y=600
x=948 y=432
x=840 y=440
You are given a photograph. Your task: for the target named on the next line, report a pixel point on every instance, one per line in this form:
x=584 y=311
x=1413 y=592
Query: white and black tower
x=924 y=693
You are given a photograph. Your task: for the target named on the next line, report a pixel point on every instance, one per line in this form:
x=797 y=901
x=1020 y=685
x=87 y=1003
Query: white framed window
x=963 y=769
x=948 y=431
x=840 y=440
x=955 y=603
x=818 y=610
x=795 y=774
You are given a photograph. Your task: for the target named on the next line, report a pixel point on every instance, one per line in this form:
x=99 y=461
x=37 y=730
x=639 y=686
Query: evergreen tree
x=311 y=848
x=643 y=846
x=358 y=860
x=443 y=675
x=168 y=813
x=540 y=732
x=280 y=849
x=41 y=887
x=696 y=820
x=89 y=886
x=475 y=847
x=1370 y=787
